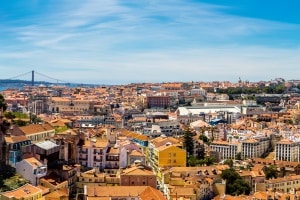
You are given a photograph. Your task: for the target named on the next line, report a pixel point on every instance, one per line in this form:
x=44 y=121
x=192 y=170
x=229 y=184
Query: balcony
x=97 y=159
x=83 y=151
x=112 y=166
x=81 y=158
x=112 y=158
x=98 y=152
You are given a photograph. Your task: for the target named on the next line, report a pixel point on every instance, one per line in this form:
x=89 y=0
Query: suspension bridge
x=34 y=78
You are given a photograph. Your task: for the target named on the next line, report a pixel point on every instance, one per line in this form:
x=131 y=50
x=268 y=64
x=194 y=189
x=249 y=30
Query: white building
x=287 y=150
x=255 y=147
x=226 y=150
x=31 y=169
x=92 y=153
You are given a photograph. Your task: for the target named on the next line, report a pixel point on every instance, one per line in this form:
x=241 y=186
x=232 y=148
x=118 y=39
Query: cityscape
x=149 y=100
x=171 y=140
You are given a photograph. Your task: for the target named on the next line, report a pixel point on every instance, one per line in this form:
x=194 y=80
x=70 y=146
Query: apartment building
x=168 y=155
x=153 y=151
x=225 y=149
x=168 y=128
x=255 y=147
x=93 y=153
x=112 y=160
x=68 y=173
x=287 y=150
x=285 y=184
x=12 y=149
x=158 y=101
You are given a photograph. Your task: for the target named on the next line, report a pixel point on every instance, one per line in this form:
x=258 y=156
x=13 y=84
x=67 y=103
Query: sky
x=129 y=41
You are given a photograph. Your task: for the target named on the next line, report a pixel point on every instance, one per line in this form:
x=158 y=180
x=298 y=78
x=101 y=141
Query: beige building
x=285 y=184
x=69 y=105
x=287 y=150
x=38 y=132
x=138 y=175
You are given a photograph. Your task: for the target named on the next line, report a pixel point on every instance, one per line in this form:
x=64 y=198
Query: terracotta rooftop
x=137 y=171
x=16 y=139
x=33 y=162
x=36 y=128
x=144 y=192
x=97 y=143
x=136 y=153
x=24 y=192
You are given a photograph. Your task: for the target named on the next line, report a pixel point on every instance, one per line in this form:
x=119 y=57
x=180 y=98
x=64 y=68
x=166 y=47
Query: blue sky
x=116 y=42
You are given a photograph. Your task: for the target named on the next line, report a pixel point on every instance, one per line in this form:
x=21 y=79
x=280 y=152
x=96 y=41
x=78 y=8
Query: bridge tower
x=32 y=78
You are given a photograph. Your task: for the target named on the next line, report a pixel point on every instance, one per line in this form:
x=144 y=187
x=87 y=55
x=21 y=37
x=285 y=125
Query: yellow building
x=25 y=192
x=165 y=152
x=168 y=156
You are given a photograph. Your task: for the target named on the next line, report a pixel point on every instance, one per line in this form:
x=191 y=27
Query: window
x=174 y=154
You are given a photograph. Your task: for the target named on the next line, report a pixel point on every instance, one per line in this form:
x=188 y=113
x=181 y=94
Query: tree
x=35 y=119
x=209 y=160
x=229 y=162
x=13 y=182
x=192 y=161
x=188 y=142
x=271 y=172
x=238 y=156
x=20 y=122
x=9 y=115
x=203 y=138
x=3 y=104
x=235 y=185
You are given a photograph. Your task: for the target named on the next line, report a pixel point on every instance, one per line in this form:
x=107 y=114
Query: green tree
x=209 y=160
x=192 y=161
x=238 y=156
x=235 y=185
x=271 y=172
x=13 y=182
x=203 y=138
x=9 y=115
x=229 y=162
x=35 y=119
x=188 y=142
x=3 y=104
x=20 y=122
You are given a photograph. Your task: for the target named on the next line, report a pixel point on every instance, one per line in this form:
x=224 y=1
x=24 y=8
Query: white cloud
x=94 y=41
